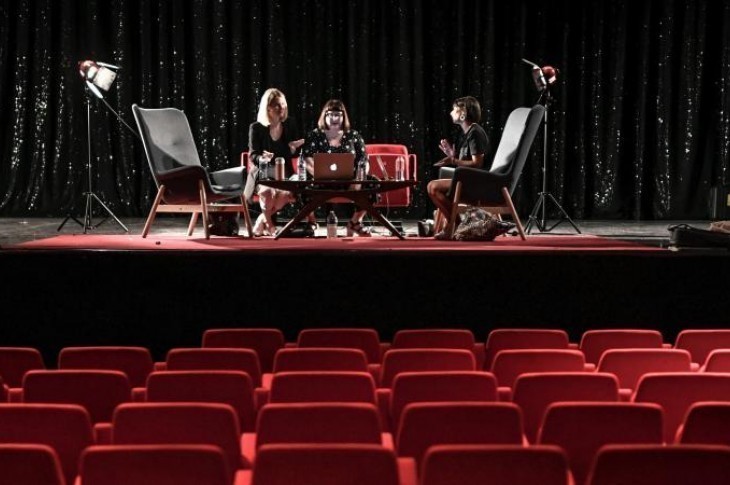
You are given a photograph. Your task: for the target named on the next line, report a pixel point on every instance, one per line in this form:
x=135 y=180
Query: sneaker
x=356 y=228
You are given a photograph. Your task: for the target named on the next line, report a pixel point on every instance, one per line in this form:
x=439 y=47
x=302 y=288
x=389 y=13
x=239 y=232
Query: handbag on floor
x=686 y=236
x=478 y=225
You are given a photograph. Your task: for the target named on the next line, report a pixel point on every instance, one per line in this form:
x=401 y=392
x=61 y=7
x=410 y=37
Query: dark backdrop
x=639 y=130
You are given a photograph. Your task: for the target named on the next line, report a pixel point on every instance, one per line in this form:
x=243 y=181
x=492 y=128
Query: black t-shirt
x=259 y=140
x=473 y=142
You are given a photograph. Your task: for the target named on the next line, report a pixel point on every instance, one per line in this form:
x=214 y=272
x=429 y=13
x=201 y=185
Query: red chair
x=388 y=155
x=534 y=393
x=706 y=423
x=439 y=339
x=234 y=388
x=426 y=424
x=16 y=361
x=424 y=360
x=522 y=338
x=365 y=339
x=508 y=365
x=675 y=393
x=700 y=343
x=181 y=423
x=292 y=387
x=628 y=365
x=244 y=360
x=99 y=391
x=265 y=341
x=717 y=361
x=457 y=386
x=329 y=464
x=320 y=359
x=135 y=362
x=495 y=464
x=595 y=342
x=661 y=465
x=580 y=429
x=154 y=465
x=30 y=464
x=66 y=428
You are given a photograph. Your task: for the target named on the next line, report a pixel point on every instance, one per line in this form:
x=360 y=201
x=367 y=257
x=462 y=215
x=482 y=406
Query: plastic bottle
x=400 y=165
x=264 y=167
x=302 y=168
x=360 y=174
x=331 y=225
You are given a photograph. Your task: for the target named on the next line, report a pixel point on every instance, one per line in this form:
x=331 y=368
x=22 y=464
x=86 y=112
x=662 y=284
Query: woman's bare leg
x=437 y=190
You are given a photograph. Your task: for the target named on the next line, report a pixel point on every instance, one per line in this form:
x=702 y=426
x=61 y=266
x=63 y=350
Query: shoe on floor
x=356 y=228
x=259 y=228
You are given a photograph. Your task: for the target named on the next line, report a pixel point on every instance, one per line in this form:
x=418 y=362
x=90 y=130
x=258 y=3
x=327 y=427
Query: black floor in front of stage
x=53 y=299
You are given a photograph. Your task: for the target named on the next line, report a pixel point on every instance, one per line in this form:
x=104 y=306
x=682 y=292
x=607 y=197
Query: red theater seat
x=154 y=465
x=365 y=339
x=661 y=465
x=707 y=423
x=388 y=154
x=717 y=361
x=29 y=464
x=700 y=343
x=424 y=360
x=320 y=359
x=439 y=339
x=580 y=429
x=16 y=361
x=291 y=387
x=522 y=338
x=508 y=365
x=628 y=365
x=135 y=362
x=265 y=341
x=595 y=342
x=244 y=360
x=495 y=465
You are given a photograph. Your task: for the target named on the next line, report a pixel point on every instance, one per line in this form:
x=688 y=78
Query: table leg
x=364 y=203
x=308 y=207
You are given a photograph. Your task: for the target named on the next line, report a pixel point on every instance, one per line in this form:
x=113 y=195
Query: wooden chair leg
x=451 y=227
x=247 y=217
x=438 y=221
x=515 y=217
x=153 y=211
x=204 y=205
x=193 y=221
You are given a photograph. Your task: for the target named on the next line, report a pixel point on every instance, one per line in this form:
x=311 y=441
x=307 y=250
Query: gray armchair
x=183 y=184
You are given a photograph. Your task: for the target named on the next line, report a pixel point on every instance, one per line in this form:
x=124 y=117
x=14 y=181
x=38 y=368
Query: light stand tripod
x=544 y=196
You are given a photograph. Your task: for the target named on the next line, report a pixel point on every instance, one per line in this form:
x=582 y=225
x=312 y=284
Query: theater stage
x=111 y=288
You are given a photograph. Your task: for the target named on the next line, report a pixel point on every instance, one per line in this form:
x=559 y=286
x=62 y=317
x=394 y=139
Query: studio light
x=98 y=75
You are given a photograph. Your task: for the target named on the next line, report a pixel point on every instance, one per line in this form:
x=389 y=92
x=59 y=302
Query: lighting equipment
x=545 y=77
x=97 y=76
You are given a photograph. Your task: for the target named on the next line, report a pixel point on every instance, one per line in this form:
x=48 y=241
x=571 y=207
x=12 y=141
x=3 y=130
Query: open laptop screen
x=334 y=166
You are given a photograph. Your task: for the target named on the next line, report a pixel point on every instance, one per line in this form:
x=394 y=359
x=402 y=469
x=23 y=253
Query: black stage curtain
x=639 y=128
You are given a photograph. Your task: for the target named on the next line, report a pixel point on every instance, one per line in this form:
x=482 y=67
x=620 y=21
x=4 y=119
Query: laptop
x=334 y=166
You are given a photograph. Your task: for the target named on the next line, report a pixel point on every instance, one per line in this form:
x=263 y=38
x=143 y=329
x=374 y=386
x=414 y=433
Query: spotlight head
x=97 y=74
x=550 y=74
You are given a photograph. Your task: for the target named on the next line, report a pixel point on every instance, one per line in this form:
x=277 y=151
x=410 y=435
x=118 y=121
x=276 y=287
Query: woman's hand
x=267 y=156
x=294 y=145
x=447 y=148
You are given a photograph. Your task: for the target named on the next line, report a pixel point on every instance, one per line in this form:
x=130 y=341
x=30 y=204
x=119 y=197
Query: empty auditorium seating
x=154 y=465
x=628 y=365
x=330 y=464
x=522 y=338
x=16 y=361
x=97 y=391
x=181 y=423
x=365 y=339
x=706 y=423
x=661 y=465
x=495 y=465
x=66 y=428
x=29 y=464
x=454 y=386
x=426 y=424
x=326 y=386
x=135 y=362
x=244 y=360
x=265 y=341
x=234 y=388
x=535 y=392
x=580 y=429
x=677 y=392
x=717 y=361
x=595 y=342
x=320 y=359
x=700 y=343
x=439 y=339
x=423 y=360
x=508 y=365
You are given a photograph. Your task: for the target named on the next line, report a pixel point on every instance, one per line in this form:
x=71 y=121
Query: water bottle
x=400 y=168
x=360 y=174
x=302 y=168
x=264 y=167
x=331 y=225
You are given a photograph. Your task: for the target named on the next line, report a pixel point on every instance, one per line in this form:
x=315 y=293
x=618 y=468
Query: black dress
x=259 y=140
x=351 y=142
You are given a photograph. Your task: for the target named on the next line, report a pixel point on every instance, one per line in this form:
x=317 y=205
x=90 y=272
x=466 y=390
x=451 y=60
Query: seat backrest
x=628 y=365
x=244 y=360
x=535 y=392
x=327 y=386
x=99 y=391
x=508 y=365
x=234 y=388
x=661 y=465
x=135 y=362
x=64 y=427
x=433 y=339
x=154 y=464
x=320 y=359
x=365 y=339
x=700 y=343
x=426 y=424
x=523 y=338
x=386 y=148
x=325 y=464
x=582 y=428
x=455 y=386
x=318 y=423
x=30 y=463
x=424 y=360
x=595 y=342
x=180 y=423
x=717 y=361
x=494 y=464
x=676 y=392
x=16 y=361
x=265 y=341
x=707 y=423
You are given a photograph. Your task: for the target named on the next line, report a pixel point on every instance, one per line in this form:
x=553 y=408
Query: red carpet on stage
x=545 y=243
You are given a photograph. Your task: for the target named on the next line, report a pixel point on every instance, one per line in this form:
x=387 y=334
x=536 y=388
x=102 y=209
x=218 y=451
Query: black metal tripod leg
x=539 y=204
x=564 y=215
x=111 y=214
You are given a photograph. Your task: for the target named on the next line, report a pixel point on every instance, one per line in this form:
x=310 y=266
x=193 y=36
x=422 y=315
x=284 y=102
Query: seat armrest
x=694 y=367
x=446 y=172
x=407 y=471
x=266 y=378
x=384 y=347
x=624 y=394
x=588 y=367
x=374 y=370
x=573 y=346
x=387 y=440
x=248 y=446
x=504 y=394
x=291 y=345
x=103 y=433
x=243 y=477
x=159 y=366
x=480 y=354
x=139 y=394
x=228 y=176
x=383 y=398
x=15 y=394
x=260 y=397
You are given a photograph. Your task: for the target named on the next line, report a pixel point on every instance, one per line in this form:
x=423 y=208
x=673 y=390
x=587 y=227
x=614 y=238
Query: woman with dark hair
x=467 y=150
x=335 y=135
